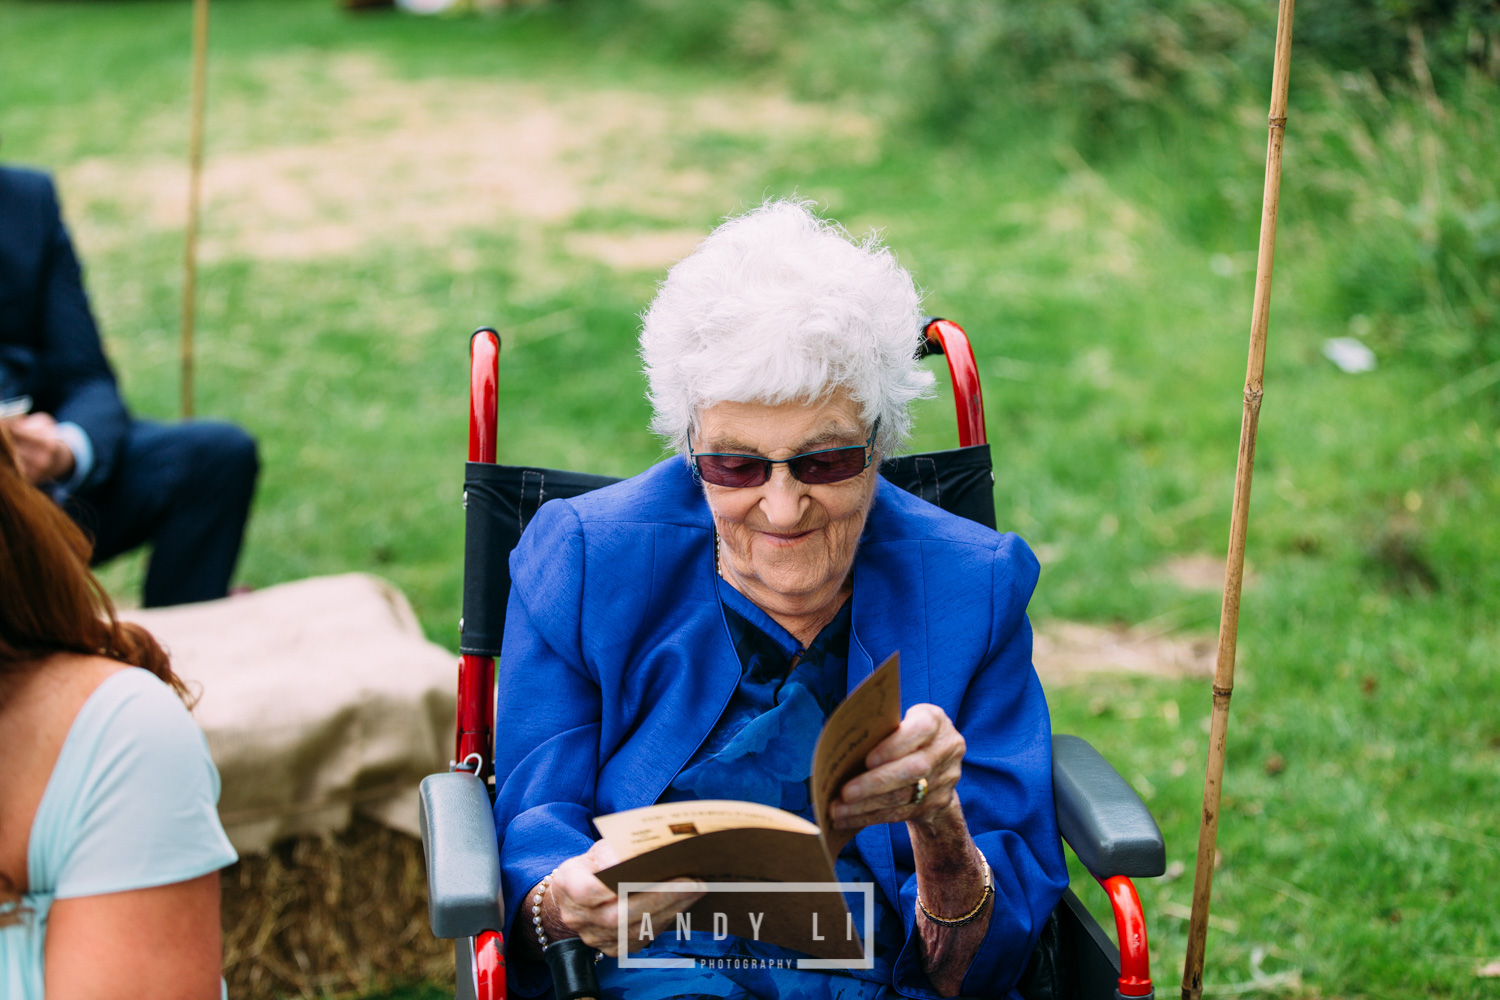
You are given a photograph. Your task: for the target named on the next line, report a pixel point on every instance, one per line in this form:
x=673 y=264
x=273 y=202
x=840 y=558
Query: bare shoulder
x=37 y=709
x=49 y=695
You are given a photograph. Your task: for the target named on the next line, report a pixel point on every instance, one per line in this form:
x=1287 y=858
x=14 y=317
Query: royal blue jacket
x=617 y=663
x=49 y=345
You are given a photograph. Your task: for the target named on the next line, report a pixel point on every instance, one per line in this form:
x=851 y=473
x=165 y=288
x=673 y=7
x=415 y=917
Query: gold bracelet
x=967 y=918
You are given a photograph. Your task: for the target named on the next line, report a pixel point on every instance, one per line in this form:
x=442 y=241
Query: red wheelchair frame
x=476 y=674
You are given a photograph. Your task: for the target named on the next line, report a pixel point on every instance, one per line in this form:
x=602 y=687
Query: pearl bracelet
x=536 y=908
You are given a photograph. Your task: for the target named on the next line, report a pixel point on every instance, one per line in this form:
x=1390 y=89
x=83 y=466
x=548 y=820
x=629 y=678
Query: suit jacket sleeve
x=547 y=724
x=79 y=386
x=1006 y=791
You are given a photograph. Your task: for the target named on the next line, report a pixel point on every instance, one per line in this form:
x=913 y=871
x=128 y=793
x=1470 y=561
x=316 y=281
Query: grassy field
x=379 y=186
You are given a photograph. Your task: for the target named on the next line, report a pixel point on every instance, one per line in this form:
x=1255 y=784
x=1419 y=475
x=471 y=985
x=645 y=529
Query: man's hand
x=41 y=453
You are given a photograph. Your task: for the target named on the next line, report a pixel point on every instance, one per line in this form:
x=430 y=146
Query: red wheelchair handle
x=476 y=674
x=1130 y=929
x=945 y=337
x=484 y=394
x=489 y=966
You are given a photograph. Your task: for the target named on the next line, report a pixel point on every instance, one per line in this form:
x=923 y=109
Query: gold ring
x=919 y=791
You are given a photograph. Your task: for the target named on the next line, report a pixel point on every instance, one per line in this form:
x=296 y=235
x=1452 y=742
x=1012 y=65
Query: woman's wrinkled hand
x=926 y=745
x=579 y=905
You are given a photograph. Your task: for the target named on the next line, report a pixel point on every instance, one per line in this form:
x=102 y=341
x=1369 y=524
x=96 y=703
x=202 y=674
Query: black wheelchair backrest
x=500 y=500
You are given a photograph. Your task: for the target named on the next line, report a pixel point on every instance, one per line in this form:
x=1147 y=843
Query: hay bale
x=327 y=915
x=320 y=699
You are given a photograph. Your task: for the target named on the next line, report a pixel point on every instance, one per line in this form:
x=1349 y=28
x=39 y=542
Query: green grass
x=425 y=991
x=1109 y=305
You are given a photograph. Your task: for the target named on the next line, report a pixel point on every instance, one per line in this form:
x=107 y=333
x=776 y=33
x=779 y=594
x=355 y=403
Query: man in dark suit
x=183 y=488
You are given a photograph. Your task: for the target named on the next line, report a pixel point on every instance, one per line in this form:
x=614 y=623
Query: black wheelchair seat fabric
x=500 y=500
x=960 y=480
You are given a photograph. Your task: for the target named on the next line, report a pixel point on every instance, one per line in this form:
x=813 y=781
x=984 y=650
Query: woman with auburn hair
x=110 y=842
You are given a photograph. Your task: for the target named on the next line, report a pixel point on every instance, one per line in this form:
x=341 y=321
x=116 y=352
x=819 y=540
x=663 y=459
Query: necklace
x=718 y=567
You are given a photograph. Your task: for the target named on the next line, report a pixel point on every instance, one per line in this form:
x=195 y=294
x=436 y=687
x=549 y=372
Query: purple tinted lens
x=829 y=466
x=733 y=470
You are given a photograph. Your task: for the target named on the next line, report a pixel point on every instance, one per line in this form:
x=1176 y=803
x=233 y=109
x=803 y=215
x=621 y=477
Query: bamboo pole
x=195 y=191
x=1234 y=570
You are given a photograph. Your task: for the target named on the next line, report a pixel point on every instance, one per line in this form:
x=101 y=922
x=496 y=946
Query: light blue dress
x=131 y=804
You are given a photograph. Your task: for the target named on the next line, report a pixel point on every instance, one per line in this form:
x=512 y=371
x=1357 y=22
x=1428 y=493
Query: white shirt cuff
x=82 y=448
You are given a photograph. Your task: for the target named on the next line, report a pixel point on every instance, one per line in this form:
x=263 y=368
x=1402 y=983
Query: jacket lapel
x=888 y=585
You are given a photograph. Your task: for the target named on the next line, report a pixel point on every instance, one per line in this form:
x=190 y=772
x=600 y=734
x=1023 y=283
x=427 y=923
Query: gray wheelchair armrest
x=1100 y=815
x=463 y=862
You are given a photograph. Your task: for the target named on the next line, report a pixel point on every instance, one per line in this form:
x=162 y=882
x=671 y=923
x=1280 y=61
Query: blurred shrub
x=1396 y=118
x=1407 y=185
x=1377 y=36
x=950 y=63
x=954 y=63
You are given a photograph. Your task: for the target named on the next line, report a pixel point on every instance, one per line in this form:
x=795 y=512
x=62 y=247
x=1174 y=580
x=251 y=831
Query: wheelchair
x=1101 y=818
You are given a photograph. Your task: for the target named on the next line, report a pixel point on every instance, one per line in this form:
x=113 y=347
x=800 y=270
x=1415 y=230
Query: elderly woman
x=684 y=635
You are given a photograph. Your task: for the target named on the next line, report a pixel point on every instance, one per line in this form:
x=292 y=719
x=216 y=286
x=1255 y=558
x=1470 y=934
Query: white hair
x=777 y=306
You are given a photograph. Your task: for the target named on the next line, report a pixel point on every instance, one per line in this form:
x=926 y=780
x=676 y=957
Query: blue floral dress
x=761 y=751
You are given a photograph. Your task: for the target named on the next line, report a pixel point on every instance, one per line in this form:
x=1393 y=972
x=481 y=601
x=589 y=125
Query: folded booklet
x=744 y=845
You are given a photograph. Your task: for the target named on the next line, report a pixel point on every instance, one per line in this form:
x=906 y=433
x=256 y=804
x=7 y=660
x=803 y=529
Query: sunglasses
x=815 y=468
